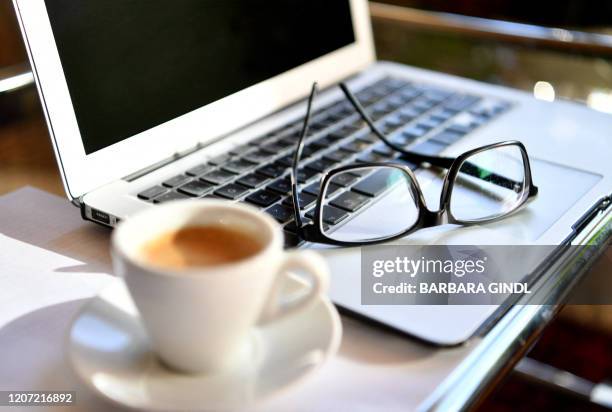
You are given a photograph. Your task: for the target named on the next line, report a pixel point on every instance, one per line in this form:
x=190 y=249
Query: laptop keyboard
x=422 y=118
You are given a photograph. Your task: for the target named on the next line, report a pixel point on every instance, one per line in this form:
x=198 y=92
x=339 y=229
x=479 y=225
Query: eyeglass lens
x=489 y=184
x=380 y=205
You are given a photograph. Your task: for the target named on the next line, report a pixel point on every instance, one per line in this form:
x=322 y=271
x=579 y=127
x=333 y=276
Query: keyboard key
x=415 y=131
x=291 y=140
x=263 y=198
x=488 y=108
x=218 y=177
x=176 y=181
x=285 y=144
x=366 y=98
x=403 y=139
x=287 y=161
x=394 y=83
x=258 y=156
x=339 y=155
x=325 y=141
x=213 y=196
x=317 y=126
x=332 y=188
x=292 y=227
x=199 y=170
x=327 y=119
x=342 y=133
x=331 y=215
x=460 y=102
x=281 y=213
x=344 y=179
x=282 y=186
x=369 y=138
x=397 y=100
x=372 y=157
x=253 y=180
x=378 y=113
x=436 y=95
x=313 y=189
x=361 y=172
x=384 y=150
x=461 y=128
x=407 y=163
x=306 y=152
x=220 y=159
x=195 y=188
x=357 y=124
x=152 y=192
x=241 y=150
x=409 y=93
x=232 y=191
x=374 y=184
x=259 y=140
x=350 y=201
x=447 y=137
x=429 y=147
x=442 y=115
x=356 y=146
x=305 y=175
x=423 y=104
x=314 y=147
x=336 y=116
x=385 y=129
x=273 y=170
x=306 y=200
x=170 y=196
x=408 y=114
x=429 y=123
x=275 y=147
x=239 y=166
x=321 y=165
x=465 y=123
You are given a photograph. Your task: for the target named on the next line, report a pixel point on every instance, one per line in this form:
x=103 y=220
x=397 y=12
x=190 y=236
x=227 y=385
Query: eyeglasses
x=368 y=203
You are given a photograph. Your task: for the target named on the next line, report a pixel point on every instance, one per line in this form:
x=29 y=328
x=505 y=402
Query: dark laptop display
x=135 y=64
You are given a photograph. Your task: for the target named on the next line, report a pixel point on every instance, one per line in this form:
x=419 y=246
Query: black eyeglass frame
x=314 y=231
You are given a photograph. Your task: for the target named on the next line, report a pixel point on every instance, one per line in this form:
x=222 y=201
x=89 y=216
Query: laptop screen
x=131 y=65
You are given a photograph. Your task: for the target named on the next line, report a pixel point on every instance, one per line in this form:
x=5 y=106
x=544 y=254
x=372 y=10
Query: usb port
x=100 y=216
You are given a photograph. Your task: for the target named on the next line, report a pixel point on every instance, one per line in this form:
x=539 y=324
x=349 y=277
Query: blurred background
x=554 y=49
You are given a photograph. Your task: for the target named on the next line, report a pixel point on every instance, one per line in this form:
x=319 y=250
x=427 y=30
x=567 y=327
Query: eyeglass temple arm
x=296 y=159
x=417 y=158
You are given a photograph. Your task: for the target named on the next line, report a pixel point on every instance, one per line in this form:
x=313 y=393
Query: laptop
x=154 y=101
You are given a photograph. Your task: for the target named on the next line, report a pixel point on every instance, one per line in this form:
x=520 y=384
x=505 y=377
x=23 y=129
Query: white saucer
x=109 y=350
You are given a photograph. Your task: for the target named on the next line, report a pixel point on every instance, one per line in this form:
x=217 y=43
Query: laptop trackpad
x=560 y=188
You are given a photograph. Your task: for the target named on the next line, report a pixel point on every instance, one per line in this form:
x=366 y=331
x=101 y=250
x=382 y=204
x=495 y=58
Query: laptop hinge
x=164 y=162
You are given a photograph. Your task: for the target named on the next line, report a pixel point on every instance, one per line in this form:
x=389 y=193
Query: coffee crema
x=199 y=246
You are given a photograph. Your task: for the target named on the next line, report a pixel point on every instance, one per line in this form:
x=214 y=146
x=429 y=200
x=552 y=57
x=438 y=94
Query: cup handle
x=311 y=264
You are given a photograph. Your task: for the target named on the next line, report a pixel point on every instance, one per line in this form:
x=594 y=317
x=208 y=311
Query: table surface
x=68 y=262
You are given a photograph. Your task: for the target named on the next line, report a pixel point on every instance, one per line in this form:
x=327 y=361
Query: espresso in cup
x=205 y=274
x=199 y=246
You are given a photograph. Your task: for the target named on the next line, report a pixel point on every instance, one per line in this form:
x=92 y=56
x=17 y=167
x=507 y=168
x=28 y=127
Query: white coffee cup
x=199 y=319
